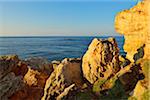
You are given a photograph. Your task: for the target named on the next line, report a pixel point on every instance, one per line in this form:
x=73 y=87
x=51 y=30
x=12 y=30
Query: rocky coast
x=101 y=74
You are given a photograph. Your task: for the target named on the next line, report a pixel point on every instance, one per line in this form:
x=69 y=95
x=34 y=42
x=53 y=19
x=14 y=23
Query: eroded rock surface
x=63 y=78
x=9 y=82
x=101 y=60
x=35 y=78
x=40 y=64
x=134 y=24
x=34 y=86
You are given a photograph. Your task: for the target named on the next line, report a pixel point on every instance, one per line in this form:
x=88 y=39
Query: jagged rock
x=141 y=91
x=9 y=82
x=121 y=84
x=35 y=81
x=65 y=92
x=142 y=88
x=40 y=64
x=55 y=63
x=7 y=64
x=66 y=74
x=130 y=79
x=123 y=61
x=134 y=24
x=101 y=60
x=9 y=85
x=21 y=68
x=35 y=78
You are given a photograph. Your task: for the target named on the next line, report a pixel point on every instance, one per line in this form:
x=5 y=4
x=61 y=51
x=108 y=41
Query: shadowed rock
x=9 y=82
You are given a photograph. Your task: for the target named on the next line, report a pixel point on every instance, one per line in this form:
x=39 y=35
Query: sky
x=60 y=17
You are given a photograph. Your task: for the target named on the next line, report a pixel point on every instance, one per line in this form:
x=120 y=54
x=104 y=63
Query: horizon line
x=66 y=36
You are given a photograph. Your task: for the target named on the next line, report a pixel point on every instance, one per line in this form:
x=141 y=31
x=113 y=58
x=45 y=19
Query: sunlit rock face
x=134 y=24
x=101 y=60
x=65 y=76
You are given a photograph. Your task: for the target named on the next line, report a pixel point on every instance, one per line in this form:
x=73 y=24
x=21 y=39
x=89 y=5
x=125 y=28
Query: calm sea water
x=52 y=48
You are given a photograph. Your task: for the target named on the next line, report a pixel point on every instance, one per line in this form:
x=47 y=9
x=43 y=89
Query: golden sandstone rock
x=35 y=78
x=62 y=79
x=134 y=24
x=101 y=60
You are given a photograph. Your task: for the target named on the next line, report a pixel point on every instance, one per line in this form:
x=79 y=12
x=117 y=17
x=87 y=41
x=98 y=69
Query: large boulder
x=66 y=76
x=101 y=60
x=134 y=24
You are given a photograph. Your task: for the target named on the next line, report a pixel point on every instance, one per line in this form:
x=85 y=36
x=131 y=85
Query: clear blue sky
x=60 y=17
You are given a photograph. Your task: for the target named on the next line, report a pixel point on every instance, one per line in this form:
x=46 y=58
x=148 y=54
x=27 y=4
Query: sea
x=51 y=47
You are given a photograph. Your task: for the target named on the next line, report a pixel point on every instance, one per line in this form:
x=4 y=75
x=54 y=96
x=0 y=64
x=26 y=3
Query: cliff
x=134 y=24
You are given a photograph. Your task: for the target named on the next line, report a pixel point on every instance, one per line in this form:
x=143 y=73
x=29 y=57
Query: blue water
x=52 y=48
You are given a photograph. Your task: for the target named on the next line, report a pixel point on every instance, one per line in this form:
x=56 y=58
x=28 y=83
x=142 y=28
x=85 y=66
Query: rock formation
x=9 y=82
x=35 y=78
x=34 y=85
x=101 y=61
x=134 y=25
x=101 y=74
x=40 y=64
x=62 y=79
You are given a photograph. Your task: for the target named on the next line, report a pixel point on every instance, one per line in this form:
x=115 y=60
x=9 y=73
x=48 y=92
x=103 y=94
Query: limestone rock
x=55 y=63
x=35 y=78
x=21 y=69
x=34 y=85
x=101 y=60
x=130 y=79
x=9 y=82
x=66 y=74
x=141 y=91
x=134 y=24
x=123 y=62
x=9 y=85
x=7 y=64
x=142 y=88
x=65 y=92
x=40 y=64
